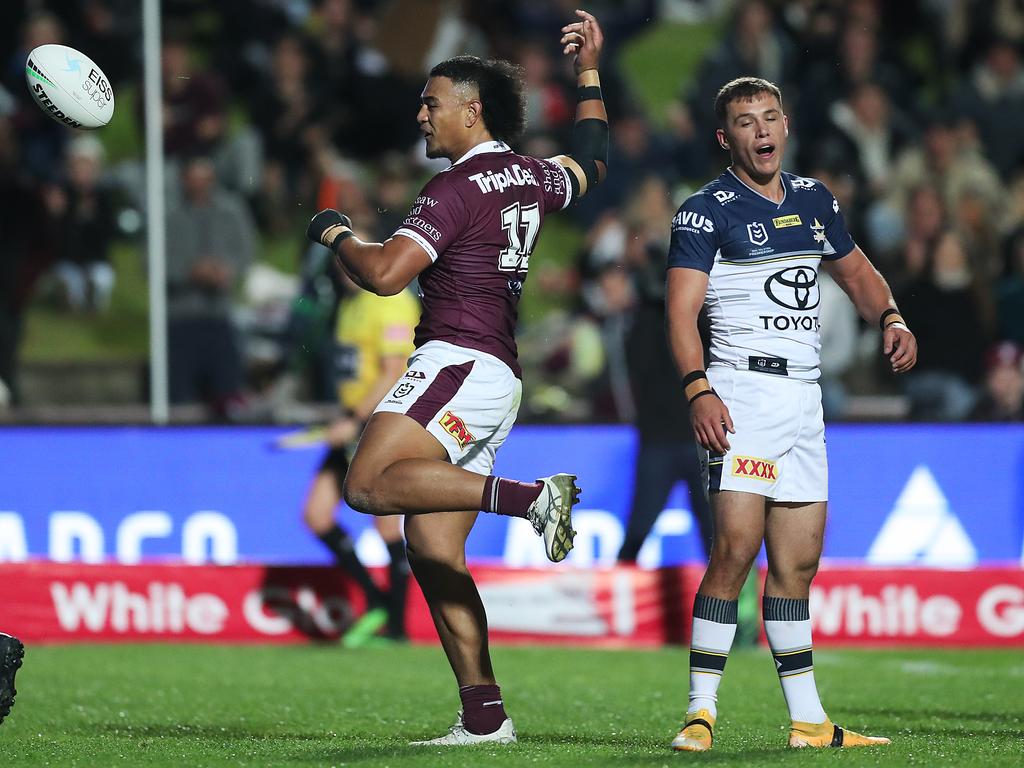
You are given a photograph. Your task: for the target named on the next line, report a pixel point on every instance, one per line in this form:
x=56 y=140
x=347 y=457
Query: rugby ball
x=69 y=87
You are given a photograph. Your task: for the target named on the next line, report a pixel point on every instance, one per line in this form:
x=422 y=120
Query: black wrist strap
x=888 y=313
x=588 y=93
x=341 y=237
x=701 y=394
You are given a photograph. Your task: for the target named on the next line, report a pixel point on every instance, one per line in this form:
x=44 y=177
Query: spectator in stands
x=289 y=114
x=41 y=140
x=84 y=225
x=867 y=130
x=752 y=45
x=667 y=452
x=1010 y=291
x=1003 y=396
x=943 y=305
x=17 y=203
x=993 y=97
x=548 y=106
x=208 y=251
x=949 y=162
x=195 y=109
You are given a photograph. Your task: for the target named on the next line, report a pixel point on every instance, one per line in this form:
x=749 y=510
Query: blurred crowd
x=910 y=112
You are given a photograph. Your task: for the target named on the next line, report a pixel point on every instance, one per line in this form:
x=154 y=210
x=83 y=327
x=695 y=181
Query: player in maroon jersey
x=430 y=445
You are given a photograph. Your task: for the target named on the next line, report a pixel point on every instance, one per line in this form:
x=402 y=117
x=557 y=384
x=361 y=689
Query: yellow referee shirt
x=368 y=328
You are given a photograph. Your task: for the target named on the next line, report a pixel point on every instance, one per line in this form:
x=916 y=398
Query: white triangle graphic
x=921 y=529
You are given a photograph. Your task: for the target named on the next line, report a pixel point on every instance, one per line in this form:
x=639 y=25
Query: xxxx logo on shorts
x=759 y=469
x=456 y=427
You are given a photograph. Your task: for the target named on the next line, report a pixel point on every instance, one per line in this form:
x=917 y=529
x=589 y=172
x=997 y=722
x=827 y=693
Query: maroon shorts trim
x=441 y=390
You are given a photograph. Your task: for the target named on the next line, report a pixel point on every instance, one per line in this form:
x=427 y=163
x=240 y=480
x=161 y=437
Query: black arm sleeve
x=590 y=144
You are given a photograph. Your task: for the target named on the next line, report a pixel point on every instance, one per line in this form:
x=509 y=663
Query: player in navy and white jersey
x=430 y=445
x=748 y=247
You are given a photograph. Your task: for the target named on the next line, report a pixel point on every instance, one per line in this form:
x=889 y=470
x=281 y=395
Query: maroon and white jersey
x=478 y=221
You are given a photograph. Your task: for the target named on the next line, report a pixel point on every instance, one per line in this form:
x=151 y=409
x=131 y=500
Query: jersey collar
x=479 y=149
x=782 y=181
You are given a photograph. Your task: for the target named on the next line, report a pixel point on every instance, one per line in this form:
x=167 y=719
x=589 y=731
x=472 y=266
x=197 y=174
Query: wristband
x=695 y=384
x=588 y=77
x=588 y=93
x=701 y=394
x=889 y=317
x=344 y=233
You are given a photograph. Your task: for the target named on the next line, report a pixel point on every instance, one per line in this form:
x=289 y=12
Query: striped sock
x=509 y=497
x=714 y=627
x=787 y=623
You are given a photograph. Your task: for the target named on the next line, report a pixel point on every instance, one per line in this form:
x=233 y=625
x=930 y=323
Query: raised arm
x=587 y=161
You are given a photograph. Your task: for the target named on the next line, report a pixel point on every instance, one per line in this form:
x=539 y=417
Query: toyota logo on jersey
x=794 y=288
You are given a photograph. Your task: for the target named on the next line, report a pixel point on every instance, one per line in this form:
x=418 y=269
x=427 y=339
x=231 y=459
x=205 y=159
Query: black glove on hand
x=328 y=226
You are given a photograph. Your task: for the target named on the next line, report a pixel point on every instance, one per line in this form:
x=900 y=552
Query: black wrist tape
x=890 y=313
x=589 y=93
x=701 y=394
x=695 y=383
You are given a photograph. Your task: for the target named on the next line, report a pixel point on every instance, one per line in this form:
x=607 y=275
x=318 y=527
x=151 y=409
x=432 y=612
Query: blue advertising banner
x=923 y=495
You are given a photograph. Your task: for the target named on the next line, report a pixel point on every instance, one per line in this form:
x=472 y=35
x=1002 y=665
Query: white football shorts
x=778 y=450
x=467 y=399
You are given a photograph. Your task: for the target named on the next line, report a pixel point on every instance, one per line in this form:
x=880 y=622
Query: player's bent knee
x=360 y=496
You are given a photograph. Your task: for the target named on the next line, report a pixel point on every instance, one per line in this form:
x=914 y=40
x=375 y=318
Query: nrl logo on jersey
x=757 y=233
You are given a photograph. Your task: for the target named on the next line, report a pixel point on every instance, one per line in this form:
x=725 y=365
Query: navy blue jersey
x=762 y=261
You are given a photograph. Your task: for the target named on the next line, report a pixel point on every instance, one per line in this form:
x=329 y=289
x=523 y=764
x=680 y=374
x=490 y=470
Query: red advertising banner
x=51 y=602
x=860 y=606
x=613 y=607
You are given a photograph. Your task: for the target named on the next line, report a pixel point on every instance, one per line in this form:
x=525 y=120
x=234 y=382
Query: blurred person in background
x=1010 y=291
x=210 y=245
x=1002 y=398
x=430 y=445
x=19 y=203
x=41 y=141
x=83 y=216
x=944 y=303
x=992 y=96
x=373 y=340
x=949 y=161
x=288 y=112
x=195 y=119
x=667 y=451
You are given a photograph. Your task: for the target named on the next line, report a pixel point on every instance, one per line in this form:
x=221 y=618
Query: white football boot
x=551 y=514
x=458 y=736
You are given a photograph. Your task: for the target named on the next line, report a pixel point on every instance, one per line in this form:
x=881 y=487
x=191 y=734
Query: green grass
x=260 y=706
x=661 y=63
x=122 y=333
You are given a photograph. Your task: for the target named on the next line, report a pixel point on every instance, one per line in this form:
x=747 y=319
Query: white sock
x=714 y=627
x=787 y=623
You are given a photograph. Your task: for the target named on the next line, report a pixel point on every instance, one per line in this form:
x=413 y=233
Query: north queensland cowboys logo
x=758 y=233
x=794 y=288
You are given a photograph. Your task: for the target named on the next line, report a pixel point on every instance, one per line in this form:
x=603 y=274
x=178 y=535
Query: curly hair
x=500 y=86
x=743 y=89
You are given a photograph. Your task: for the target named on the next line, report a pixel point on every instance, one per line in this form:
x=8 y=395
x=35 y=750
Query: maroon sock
x=482 y=708
x=509 y=497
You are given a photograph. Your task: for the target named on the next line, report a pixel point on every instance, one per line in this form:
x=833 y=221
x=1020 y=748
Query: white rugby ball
x=69 y=87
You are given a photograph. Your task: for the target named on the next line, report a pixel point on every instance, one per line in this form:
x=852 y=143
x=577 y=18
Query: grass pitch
x=188 y=705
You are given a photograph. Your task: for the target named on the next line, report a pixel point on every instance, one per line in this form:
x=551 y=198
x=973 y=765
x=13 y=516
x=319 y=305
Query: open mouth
x=766 y=150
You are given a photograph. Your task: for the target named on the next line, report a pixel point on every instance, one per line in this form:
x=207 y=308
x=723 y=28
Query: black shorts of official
x=336 y=462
